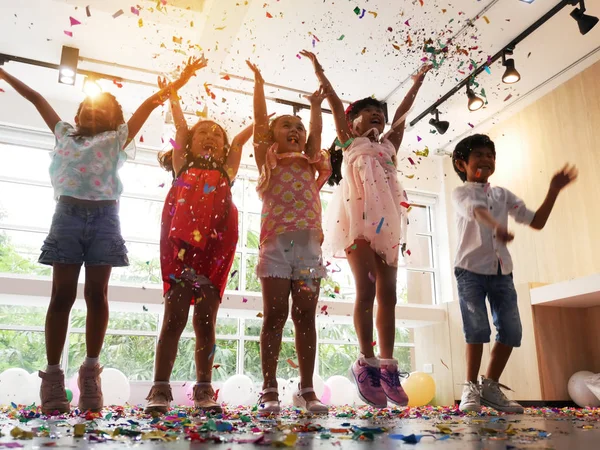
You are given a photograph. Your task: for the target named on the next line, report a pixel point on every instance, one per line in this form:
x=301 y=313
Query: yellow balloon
x=420 y=388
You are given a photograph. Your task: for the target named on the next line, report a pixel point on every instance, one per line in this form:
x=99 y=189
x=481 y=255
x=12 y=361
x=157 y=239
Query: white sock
x=90 y=362
x=161 y=383
x=53 y=368
x=373 y=361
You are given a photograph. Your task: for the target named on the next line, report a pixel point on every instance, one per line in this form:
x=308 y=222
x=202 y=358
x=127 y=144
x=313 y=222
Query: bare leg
x=205 y=322
x=177 y=310
x=498 y=361
x=276 y=294
x=305 y=295
x=364 y=268
x=386 y=307
x=474 y=353
x=96 y=300
x=62 y=298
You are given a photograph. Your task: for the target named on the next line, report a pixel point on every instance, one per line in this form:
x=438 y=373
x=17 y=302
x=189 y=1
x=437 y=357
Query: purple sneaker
x=390 y=377
x=368 y=382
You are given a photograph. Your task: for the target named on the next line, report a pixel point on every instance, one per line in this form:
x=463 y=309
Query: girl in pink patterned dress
x=366 y=222
x=292 y=172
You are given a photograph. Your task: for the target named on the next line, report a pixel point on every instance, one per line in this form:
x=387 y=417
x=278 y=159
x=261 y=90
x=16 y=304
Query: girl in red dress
x=199 y=233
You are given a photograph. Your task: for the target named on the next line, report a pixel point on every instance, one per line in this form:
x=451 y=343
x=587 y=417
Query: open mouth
x=293 y=139
x=376 y=121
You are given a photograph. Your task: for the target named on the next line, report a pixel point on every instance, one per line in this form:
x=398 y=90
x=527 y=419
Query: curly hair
x=117 y=110
x=466 y=146
x=165 y=159
x=355 y=108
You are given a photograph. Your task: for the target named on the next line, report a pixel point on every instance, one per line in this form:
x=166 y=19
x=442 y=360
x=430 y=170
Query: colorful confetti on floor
x=344 y=427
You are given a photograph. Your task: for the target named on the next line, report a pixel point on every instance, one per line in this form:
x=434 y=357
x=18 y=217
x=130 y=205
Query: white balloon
x=14 y=386
x=237 y=390
x=579 y=392
x=318 y=385
x=593 y=384
x=342 y=391
x=286 y=390
x=35 y=382
x=115 y=387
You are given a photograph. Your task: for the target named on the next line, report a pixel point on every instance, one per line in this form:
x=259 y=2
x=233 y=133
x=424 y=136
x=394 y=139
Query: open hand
x=193 y=65
x=420 y=75
x=563 y=178
x=162 y=82
x=257 y=75
x=317 y=97
x=313 y=59
x=503 y=235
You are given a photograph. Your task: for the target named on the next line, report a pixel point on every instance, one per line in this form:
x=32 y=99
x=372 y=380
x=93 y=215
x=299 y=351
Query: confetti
x=405 y=205
x=233 y=274
x=244 y=300
x=373 y=344
x=214 y=349
x=74 y=21
x=226 y=78
x=135 y=11
x=141 y=22
x=181 y=254
x=357 y=11
x=68 y=33
x=424 y=152
x=378 y=230
x=341 y=38
x=374 y=14
x=196 y=235
x=486 y=19
x=88 y=12
x=208 y=189
x=407 y=24
x=371 y=277
x=471 y=125
x=410 y=160
x=117 y=14
x=259 y=315
x=487 y=69
x=292 y=364
x=269 y=16
x=419 y=139
x=363 y=14
x=174 y=144
x=508 y=97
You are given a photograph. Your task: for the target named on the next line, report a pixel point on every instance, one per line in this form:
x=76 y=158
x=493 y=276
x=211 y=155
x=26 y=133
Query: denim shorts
x=295 y=255
x=500 y=292
x=85 y=234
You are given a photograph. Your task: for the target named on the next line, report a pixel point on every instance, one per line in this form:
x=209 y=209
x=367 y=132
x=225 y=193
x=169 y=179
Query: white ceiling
x=369 y=60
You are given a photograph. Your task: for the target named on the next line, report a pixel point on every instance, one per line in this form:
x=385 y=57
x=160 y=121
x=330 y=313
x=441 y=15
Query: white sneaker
x=492 y=396
x=470 y=400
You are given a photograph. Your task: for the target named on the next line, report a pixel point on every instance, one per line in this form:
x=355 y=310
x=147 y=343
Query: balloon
x=74 y=387
x=238 y=390
x=593 y=384
x=115 y=387
x=286 y=390
x=318 y=385
x=189 y=393
x=420 y=388
x=326 y=397
x=579 y=392
x=35 y=382
x=12 y=382
x=69 y=395
x=342 y=391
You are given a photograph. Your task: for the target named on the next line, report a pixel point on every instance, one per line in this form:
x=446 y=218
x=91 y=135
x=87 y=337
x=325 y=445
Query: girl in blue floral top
x=85 y=227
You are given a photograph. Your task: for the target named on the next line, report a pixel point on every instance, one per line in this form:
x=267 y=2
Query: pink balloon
x=189 y=393
x=326 y=397
x=72 y=384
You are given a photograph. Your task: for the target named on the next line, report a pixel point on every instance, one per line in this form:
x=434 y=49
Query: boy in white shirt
x=483 y=266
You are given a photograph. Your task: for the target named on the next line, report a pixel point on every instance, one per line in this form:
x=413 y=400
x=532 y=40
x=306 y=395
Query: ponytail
x=336 y=155
x=165 y=159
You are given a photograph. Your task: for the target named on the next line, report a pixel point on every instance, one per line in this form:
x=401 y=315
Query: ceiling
x=363 y=54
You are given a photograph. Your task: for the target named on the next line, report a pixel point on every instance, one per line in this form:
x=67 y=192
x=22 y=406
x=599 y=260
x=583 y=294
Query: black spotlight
x=584 y=21
x=68 y=65
x=440 y=125
x=475 y=102
x=511 y=74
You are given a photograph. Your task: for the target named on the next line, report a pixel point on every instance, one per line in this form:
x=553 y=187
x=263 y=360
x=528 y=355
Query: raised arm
x=143 y=112
x=234 y=157
x=336 y=105
x=560 y=180
x=315 y=128
x=46 y=111
x=181 y=127
x=396 y=134
x=261 y=118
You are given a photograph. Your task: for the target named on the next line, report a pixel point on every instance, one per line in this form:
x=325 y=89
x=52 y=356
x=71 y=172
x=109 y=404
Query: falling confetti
x=292 y=364
x=118 y=13
x=74 y=21
x=378 y=230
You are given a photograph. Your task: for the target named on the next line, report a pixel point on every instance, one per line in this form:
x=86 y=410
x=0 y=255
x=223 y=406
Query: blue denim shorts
x=85 y=234
x=500 y=292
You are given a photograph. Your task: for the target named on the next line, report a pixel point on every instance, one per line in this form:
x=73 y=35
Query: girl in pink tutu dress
x=366 y=222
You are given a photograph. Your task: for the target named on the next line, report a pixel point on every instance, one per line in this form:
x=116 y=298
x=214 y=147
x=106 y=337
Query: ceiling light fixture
x=91 y=88
x=68 y=65
x=440 y=125
x=584 y=21
x=475 y=102
x=511 y=74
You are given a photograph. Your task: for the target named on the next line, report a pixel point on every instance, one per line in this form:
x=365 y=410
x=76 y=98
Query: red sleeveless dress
x=199 y=229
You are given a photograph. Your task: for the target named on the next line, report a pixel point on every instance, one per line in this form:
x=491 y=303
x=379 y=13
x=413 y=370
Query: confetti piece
x=487 y=69
x=226 y=77
x=214 y=349
x=424 y=152
x=363 y=14
x=74 y=21
x=471 y=125
x=269 y=16
x=374 y=14
x=292 y=364
x=486 y=19
x=208 y=189
x=407 y=24
x=357 y=11
x=117 y=84
x=421 y=2
x=140 y=23
x=181 y=254
x=244 y=300
x=419 y=139
x=405 y=205
x=410 y=160
x=371 y=277
x=508 y=98
x=378 y=230
x=209 y=92
x=142 y=141
x=174 y=144
x=373 y=344
x=118 y=13
x=259 y=315
x=341 y=38
x=2 y=90
x=324 y=309
x=408 y=252
x=233 y=274
x=68 y=33
x=79 y=429
x=197 y=236
x=88 y=12
x=177 y=40
x=135 y=11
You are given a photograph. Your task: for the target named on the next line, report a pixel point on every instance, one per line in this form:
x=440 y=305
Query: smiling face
x=368 y=118
x=289 y=134
x=98 y=114
x=480 y=165
x=208 y=139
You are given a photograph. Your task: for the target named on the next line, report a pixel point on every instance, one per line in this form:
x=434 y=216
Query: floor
x=345 y=428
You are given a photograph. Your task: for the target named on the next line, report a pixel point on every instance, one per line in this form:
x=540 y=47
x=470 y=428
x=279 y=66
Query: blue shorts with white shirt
x=483 y=266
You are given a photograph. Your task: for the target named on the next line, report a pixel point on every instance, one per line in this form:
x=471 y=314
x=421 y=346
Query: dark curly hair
x=336 y=153
x=165 y=159
x=119 y=119
x=466 y=146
